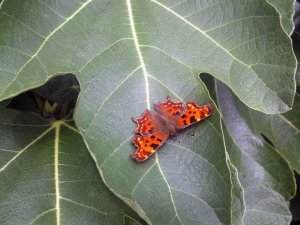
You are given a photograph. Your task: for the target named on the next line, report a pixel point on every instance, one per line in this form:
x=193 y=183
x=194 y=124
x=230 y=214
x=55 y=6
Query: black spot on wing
x=176 y=113
x=193 y=119
x=151 y=130
x=154 y=146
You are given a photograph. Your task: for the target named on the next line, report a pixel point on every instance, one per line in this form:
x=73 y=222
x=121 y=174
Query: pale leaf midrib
x=139 y=52
x=167 y=183
x=56 y=172
x=218 y=45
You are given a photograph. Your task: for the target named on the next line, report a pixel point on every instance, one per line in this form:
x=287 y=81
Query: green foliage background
x=236 y=168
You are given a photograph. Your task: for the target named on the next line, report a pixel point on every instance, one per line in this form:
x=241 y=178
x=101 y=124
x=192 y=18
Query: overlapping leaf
x=48 y=177
x=265 y=177
x=286 y=11
x=174 y=186
x=296 y=47
x=282 y=129
x=237 y=196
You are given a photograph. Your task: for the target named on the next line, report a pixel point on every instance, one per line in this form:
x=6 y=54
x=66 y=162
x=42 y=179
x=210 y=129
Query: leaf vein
x=56 y=172
x=142 y=177
x=86 y=206
x=25 y=25
x=189 y=150
x=165 y=179
x=44 y=42
x=160 y=82
x=26 y=147
x=138 y=49
x=234 y=21
x=100 y=53
x=52 y=9
x=213 y=41
x=40 y=215
x=107 y=97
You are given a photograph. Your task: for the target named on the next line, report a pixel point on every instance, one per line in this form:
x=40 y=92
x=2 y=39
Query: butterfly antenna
x=188 y=132
x=191 y=133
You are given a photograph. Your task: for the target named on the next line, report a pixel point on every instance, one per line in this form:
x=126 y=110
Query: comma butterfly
x=154 y=128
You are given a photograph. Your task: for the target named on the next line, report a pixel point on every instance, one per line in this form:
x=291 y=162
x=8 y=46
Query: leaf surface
x=266 y=179
x=48 y=177
x=286 y=11
x=296 y=47
x=174 y=185
x=211 y=36
x=238 y=201
x=283 y=130
x=130 y=54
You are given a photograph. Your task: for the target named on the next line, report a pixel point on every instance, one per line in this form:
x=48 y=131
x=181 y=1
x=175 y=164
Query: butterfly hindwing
x=192 y=114
x=147 y=145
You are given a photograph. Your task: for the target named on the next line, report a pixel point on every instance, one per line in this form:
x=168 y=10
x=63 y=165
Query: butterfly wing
x=149 y=136
x=169 y=109
x=146 y=125
x=192 y=114
x=147 y=145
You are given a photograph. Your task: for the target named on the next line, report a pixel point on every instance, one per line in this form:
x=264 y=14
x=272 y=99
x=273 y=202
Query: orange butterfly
x=154 y=128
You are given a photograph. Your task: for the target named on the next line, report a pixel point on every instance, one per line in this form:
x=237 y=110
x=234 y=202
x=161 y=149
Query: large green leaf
x=296 y=47
x=265 y=177
x=130 y=54
x=282 y=129
x=48 y=177
x=237 y=196
x=239 y=42
x=286 y=11
x=187 y=181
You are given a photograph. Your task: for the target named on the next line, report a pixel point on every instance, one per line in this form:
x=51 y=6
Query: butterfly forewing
x=169 y=108
x=192 y=114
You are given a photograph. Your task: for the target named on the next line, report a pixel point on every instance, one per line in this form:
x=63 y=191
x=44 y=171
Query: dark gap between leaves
x=56 y=99
x=266 y=139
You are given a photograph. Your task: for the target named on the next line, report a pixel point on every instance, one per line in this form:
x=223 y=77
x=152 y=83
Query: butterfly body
x=154 y=128
x=164 y=124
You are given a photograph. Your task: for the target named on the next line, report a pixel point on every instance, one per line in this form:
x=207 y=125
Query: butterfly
x=154 y=128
